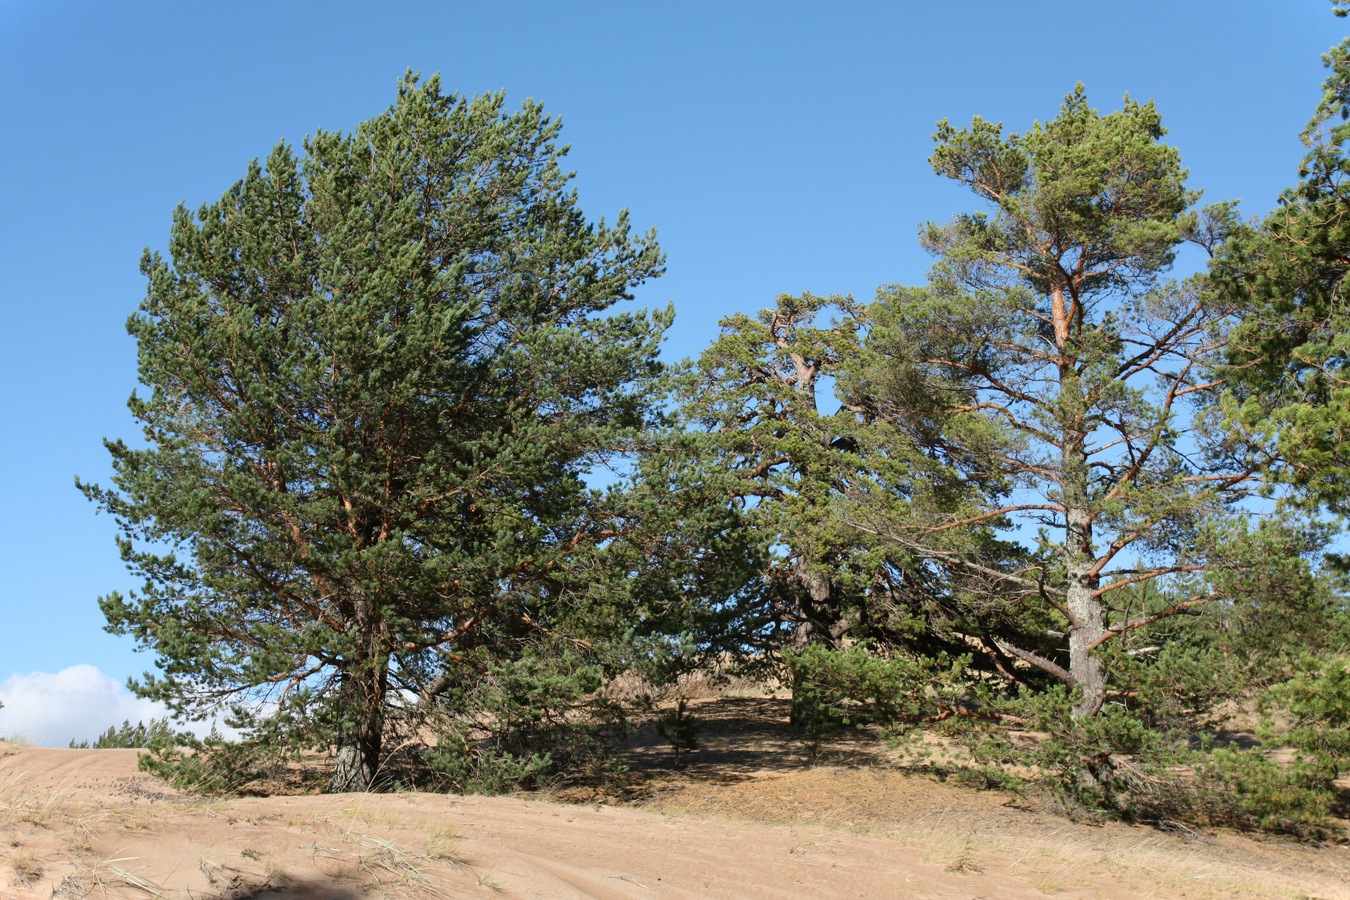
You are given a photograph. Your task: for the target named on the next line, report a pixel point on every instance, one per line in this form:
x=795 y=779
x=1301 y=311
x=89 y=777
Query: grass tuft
x=27 y=868
x=444 y=844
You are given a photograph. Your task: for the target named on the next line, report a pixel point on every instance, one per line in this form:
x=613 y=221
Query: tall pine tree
x=1289 y=278
x=1084 y=381
x=377 y=375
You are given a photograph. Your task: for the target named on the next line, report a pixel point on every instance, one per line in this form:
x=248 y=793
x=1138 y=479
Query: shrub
x=522 y=723
x=212 y=766
x=680 y=727
x=832 y=689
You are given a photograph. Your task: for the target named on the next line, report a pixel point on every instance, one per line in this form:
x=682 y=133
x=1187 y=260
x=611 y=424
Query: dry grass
x=65 y=805
x=699 y=685
x=385 y=862
x=1064 y=857
x=445 y=844
x=225 y=879
x=20 y=802
x=110 y=874
x=68 y=823
x=27 y=868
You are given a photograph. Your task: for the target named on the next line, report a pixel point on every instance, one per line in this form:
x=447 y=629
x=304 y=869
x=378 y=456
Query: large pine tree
x=378 y=374
x=1289 y=277
x=1084 y=380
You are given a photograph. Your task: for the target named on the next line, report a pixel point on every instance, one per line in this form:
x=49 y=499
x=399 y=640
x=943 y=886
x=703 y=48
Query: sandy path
x=87 y=824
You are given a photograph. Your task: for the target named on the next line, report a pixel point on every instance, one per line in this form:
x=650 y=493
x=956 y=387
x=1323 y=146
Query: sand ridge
x=86 y=823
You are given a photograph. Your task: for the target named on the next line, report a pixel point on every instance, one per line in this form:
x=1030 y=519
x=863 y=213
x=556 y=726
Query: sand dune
x=86 y=823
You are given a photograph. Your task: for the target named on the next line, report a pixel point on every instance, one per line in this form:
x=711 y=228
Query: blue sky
x=775 y=146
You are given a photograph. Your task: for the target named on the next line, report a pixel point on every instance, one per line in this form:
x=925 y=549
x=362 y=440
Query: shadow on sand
x=741 y=736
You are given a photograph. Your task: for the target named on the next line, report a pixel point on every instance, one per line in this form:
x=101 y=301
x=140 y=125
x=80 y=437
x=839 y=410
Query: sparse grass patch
x=110 y=873
x=221 y=877
x=274 y=871
x=386 y=860
x=965 y=859
x=21 y=802
x=27 y=868
x=956 y=852
x=355 y=815
x=444 y=844
x=1048 y=884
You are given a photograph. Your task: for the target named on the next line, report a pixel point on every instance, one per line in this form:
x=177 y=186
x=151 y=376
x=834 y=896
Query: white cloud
x=78 y=703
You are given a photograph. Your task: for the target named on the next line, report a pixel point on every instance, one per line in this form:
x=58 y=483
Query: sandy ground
x=743 y=820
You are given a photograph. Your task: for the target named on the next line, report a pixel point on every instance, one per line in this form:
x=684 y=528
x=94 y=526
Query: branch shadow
x=741 y=737
x=294 y=889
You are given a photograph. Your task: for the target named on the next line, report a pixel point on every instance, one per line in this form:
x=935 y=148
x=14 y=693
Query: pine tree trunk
x=1086 y=625
x=359 y=737
x=1085 y=617
x=1086 y=622
x=819 y=621
x=361 y=696
x=819 y=618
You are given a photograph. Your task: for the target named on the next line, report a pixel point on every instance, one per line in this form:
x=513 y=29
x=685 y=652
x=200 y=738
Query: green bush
x=525 y=723
x=211 y=766
x=680 y=727
x=1316 y=705
x=471 y=767
x=832 y=689
x=1146 y=756
x=1124 y=762
x=1248 y=790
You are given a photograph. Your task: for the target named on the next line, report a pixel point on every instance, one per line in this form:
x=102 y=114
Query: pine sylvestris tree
x=1048 y=324
x=760 y=437
x=1289 y=278
x=772 y=443
x=377 y=375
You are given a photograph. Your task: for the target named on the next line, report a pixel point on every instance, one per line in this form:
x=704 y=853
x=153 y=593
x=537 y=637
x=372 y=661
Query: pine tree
x=1081 y=380
x=772 y=443
x=758 y=433
x=377 y=375
x=1288 y=278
